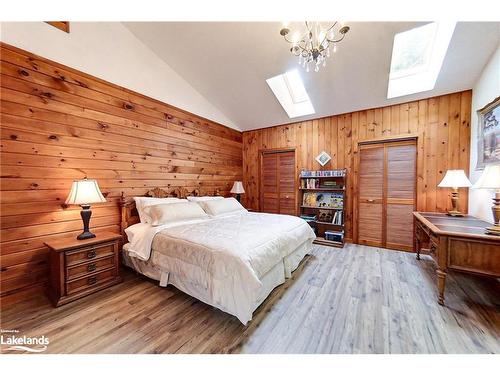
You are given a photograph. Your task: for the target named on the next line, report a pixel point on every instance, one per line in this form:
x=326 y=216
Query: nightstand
x=81 y=267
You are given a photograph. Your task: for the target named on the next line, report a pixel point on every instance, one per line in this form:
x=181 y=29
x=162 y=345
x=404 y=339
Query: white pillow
x=142 y=202
x=172 y=212
x=221 y=206
x=203 y=199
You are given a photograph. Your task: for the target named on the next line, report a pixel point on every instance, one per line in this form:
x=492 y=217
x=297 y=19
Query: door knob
x=370 y=200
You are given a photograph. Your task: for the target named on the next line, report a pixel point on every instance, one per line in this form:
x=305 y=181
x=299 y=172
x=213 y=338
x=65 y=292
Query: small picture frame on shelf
x=323 y=158
x=325 y=216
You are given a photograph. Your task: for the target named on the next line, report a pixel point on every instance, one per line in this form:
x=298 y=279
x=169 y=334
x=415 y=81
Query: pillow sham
x=142 y=202
x=203 y=199
x=221 y=206
x=172 y=212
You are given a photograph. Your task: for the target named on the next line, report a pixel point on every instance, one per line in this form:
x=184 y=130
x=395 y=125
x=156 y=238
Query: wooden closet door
x=269 y=193
x=286 y=172
x=277 y=183
x=370 y=198
x=400 y=193
x=386 y=200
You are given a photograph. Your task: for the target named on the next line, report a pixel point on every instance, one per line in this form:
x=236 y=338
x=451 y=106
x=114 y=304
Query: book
x=329 y=173
x=330 y=200
x=309 y=199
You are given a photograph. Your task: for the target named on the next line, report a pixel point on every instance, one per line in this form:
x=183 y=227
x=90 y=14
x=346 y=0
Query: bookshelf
x=322 y=204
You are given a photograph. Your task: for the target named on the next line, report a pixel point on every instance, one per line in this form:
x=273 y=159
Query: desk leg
x=441 y=275
x=417 y=246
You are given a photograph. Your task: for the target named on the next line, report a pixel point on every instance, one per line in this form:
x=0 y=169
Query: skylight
x=417 y=57
x=291 y=93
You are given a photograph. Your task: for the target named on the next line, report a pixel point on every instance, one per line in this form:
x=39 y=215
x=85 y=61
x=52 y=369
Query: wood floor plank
x=359 y=299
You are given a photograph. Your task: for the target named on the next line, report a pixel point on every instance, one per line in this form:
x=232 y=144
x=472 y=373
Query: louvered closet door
x=269 y=194
x=386 y=200
x=286 y=172
x=277 y=182
x=370 y=204
x=401 y=182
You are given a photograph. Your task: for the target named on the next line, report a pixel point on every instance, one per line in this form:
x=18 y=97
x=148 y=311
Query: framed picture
x=323 y=158
x=488 y=142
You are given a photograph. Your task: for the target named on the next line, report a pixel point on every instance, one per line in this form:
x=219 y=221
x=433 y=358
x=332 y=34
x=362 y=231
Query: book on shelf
x=310 y=183
x=308 y=217
x=329 y=173
x=309 y=199
x=338 y=218
x=326 y=200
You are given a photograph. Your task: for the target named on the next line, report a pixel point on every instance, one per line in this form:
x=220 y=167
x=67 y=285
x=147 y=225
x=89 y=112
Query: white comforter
x=226 y=256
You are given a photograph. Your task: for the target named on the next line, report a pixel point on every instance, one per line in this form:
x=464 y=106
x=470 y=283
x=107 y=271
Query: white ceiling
x=229 y=63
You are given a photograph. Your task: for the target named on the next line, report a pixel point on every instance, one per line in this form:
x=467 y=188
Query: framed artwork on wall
x=323 y=158
x=488 y=142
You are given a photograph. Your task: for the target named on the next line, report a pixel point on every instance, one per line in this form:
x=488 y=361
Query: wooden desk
x=457 y=243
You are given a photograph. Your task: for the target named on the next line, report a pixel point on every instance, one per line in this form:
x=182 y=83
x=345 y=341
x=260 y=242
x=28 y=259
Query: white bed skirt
x=273 y=278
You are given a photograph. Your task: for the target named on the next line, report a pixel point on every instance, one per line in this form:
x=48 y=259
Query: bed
x=230 y=261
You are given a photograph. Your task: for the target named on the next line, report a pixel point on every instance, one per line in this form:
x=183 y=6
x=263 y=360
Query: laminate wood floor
x=358 y=299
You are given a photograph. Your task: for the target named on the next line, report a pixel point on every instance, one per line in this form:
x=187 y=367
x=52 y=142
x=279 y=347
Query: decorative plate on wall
x=323 y=158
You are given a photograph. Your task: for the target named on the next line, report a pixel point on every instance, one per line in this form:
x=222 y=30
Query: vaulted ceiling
x=229 y=63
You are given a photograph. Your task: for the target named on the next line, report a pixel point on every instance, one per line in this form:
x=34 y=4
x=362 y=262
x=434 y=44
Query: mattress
x=231 y=263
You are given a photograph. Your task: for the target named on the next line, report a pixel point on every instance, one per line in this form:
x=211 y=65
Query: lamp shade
x=490 y=178
x=455 y=178
x=237 y=188
x=85 y=192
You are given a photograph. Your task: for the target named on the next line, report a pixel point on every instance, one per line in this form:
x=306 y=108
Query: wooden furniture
x=60 y=125
x=441 y=125
x=386 y=198
x=82 y=267
x=457 y=243
x=277 y=178
x=320 y=226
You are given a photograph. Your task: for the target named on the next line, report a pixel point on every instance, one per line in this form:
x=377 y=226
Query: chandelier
x=313 y=47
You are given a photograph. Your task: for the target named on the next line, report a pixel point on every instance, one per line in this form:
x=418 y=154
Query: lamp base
x=455 y=213
x=85 y=236
x=85 y=213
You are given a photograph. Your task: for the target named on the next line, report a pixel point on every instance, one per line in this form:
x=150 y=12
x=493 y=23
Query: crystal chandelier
x=313 y=47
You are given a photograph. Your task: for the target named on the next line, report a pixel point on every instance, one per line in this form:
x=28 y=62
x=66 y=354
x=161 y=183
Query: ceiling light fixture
x=313 y=48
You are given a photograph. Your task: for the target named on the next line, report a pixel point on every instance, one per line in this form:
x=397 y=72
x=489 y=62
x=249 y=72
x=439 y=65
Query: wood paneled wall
x=441 y=125
x=58 y=124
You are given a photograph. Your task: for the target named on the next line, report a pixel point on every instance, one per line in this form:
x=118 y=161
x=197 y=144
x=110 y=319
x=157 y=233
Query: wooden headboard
x=129 y=214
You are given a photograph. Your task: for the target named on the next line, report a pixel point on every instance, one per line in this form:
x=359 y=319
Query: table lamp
x=455 y=178
x=84 y=192
x=490 y=179
x=238 y=190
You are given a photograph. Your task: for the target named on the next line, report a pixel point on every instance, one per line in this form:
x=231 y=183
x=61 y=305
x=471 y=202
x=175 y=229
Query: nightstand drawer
x=92 y=266
x=88 y=282
x=89 y=253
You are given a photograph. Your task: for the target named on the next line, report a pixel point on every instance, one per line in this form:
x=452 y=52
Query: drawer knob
x=91 y=254
x=92 y=280
x=91 y=267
